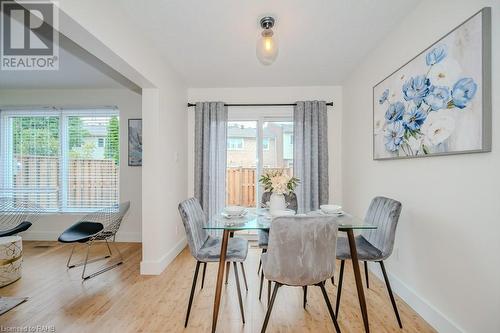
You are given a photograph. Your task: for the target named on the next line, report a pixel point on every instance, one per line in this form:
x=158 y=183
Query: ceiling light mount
x=267 y=22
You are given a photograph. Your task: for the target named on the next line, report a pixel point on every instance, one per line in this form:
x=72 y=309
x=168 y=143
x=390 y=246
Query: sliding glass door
x=277 y=146
x=256 y=144
x=242 y=161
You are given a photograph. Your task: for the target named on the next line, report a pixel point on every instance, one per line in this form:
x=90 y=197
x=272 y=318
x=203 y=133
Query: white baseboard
x=156 y=267
x=421 y=306
x=40 y=235
x=133 y=237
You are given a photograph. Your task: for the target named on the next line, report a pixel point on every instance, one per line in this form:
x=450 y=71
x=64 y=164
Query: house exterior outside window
x=265 y=143
x=235 y=144
x=288 y=144
x=249 y=141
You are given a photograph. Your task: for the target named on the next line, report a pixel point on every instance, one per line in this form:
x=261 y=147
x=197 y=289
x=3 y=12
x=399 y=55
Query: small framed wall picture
x=135 y=142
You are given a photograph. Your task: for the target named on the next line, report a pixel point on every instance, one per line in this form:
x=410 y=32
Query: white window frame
x=6 y=146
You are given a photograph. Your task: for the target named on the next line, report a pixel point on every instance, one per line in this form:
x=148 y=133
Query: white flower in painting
x=379 y=125
x=415 y=144
x=445 y=73
x=437 y=127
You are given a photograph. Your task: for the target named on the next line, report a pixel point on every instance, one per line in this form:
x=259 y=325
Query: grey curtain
x=210 y=155
x=310 y=156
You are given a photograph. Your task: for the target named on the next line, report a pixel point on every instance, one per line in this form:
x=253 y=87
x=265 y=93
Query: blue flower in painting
x=416 y=88
x=438 y=97
x=415 y=118
x=384 y=97
x=394 y=133
x=395 y=112
x=463 y=91
x=436 y=55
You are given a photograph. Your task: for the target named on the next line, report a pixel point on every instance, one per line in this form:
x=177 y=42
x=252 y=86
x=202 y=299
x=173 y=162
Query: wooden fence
x=90 y=182
x=36 y=180
x=240 y=186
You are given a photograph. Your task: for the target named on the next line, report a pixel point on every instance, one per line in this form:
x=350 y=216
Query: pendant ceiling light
x=267 y=44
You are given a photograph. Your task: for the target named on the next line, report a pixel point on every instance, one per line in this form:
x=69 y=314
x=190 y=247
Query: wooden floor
x=121 y=300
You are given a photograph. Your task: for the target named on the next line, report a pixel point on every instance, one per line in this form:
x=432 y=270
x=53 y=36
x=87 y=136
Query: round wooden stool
x=11 y=258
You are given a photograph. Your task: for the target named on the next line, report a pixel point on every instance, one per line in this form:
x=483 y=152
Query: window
x=279 y=158
x=265 y=143
x=61 y=160
x=266 y=146
x=235 y=144
x=288 y=144
x=241 y=163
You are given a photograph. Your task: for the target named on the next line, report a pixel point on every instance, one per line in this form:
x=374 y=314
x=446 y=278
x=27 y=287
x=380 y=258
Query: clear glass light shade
x=267 y=47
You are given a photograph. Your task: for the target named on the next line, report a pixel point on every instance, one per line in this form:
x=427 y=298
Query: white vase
x=277 y=202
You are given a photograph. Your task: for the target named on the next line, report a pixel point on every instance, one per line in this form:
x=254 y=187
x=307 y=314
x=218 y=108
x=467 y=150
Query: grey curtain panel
x=210 y=156
x=310 y=158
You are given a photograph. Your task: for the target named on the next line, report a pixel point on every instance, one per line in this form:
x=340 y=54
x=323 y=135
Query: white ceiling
x=212 y=43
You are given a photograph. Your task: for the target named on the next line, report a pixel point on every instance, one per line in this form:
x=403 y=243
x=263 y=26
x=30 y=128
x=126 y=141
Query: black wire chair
x=101 y=225
x=17 y=215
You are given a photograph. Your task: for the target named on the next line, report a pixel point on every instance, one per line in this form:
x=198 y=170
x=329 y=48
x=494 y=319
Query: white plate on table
x=339 y=213
x=330 y=209
x=233 y=210
x=232 y=216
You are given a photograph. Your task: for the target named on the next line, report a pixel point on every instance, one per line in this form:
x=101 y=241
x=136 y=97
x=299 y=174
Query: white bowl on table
x=331 y=209
x=234 y=211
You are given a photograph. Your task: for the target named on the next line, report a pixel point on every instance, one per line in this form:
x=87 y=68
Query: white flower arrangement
x=277 y=181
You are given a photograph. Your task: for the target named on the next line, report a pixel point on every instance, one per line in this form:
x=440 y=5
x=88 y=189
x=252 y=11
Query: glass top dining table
x=260 y=219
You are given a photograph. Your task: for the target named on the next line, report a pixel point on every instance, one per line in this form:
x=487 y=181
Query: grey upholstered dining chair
x=375 y=244
x=205 y=248
x=301 y=253
x=291 y=201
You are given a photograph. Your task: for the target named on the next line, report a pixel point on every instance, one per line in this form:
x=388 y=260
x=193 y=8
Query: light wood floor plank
x=121 y=300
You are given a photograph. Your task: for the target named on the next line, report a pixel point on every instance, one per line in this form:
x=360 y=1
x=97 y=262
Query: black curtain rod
x=283 y=104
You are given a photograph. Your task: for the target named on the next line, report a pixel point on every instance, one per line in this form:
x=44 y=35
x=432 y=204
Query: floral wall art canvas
x=439 y=102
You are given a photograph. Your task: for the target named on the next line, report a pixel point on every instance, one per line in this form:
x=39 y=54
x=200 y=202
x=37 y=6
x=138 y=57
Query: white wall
x=277 y=95
x=164 y=98
x=129 y=103
x=445 y=263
